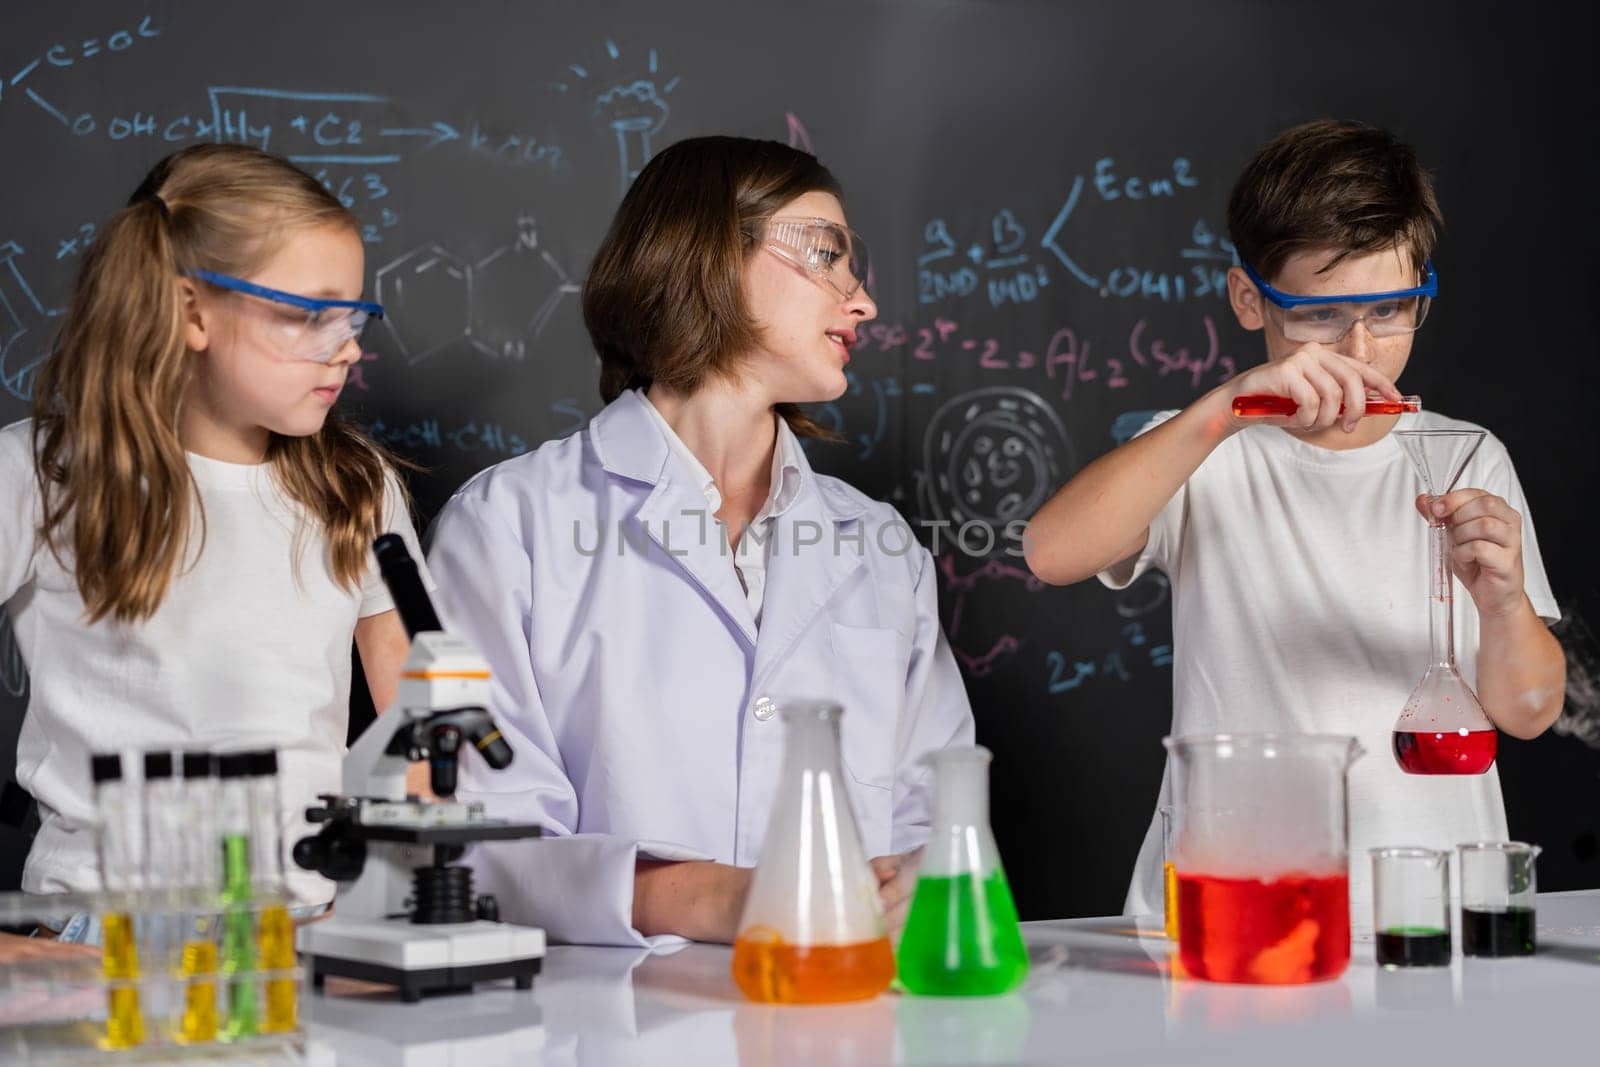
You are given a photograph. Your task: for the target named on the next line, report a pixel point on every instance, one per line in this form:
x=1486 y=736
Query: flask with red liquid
x=812 y=931
x=1442 y=729
x=1260 y=854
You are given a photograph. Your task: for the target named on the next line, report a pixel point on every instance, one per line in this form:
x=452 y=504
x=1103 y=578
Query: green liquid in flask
x=962 y=939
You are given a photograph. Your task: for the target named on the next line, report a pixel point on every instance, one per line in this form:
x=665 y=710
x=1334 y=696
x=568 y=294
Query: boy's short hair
x=1344 y=186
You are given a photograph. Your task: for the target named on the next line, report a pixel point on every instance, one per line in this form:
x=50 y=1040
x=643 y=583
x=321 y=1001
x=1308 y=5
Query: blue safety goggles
x=317 y=329
x=1326 y=319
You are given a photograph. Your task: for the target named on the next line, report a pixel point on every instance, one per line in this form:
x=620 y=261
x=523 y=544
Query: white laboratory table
x=1100 y=991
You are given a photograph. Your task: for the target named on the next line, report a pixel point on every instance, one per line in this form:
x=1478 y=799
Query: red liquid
x=1291 y=929
x=1259 y=405
x=1453 y=752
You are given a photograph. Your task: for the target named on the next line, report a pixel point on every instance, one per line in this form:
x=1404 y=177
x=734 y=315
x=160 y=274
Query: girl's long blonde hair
x=119 y=502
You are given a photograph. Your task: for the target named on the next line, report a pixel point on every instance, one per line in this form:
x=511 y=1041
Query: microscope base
x=421 y=959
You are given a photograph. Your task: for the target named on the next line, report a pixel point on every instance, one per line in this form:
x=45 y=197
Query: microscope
x=405 y=913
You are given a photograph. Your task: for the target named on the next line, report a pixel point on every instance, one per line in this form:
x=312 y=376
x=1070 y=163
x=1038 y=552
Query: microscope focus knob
x=488 y=908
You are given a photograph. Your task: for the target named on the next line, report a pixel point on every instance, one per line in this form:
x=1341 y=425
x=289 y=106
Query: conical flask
x=812 y=930
x=962 y=937
x=1442 y=729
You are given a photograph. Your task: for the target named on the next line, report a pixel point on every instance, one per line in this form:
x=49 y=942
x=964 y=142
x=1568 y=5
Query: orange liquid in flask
x=767 y=968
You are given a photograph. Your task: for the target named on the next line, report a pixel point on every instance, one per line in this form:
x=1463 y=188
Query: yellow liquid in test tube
x=1169 y=880
x=200 y=992
x=277 y=954
x=120 y=964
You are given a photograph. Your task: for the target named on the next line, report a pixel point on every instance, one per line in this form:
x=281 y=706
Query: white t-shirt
x=1299 y=603
x=245 y=652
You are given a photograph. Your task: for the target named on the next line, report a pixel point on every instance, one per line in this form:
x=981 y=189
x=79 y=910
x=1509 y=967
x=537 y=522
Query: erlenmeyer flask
x=812 y=930
x=962 y=937
x=1442 y=729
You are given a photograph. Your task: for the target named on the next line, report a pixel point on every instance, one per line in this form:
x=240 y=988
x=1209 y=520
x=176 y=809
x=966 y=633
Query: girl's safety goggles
x=305 y=327
x=1326 y=319
x=834 y=253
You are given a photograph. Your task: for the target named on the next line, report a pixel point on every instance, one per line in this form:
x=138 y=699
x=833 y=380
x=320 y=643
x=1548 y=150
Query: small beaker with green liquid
x=962 y=937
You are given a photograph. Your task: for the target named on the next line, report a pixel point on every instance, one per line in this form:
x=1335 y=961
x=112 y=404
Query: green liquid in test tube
x=238 y=920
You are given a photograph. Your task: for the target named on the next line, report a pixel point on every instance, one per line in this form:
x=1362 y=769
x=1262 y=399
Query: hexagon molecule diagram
x=515 y=290
x=427 y=300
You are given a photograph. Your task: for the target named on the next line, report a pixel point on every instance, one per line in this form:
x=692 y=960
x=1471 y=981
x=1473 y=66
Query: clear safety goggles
x=1327 y=319
x=304 y=327
x=834 y=253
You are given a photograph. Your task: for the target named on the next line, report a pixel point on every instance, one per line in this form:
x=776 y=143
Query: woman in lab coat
x=648 y=590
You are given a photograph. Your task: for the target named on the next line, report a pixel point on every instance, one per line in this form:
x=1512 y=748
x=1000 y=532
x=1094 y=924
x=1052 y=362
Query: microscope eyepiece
x=400 y=574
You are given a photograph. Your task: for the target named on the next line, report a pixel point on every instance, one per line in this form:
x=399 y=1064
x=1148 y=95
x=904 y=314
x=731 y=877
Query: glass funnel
x=812 y=930
x=961 y=937
x=1442 y=729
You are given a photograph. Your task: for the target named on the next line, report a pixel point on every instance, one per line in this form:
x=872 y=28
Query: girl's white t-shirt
x=1299 y=583
x=250 y=649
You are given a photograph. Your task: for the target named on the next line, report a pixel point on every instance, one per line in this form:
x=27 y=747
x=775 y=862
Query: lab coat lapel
x=674 y=516
x=803 y=577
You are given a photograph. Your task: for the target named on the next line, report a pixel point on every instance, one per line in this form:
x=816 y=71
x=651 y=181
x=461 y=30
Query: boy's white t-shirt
x=245 y=652
x=1299 y=583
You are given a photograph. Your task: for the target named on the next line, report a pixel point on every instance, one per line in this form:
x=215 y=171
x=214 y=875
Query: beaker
x=1498 y=881
x=812 y=930
x=962 y=937
x=1442 y=729
x=1411 y=906
x=1260 y=850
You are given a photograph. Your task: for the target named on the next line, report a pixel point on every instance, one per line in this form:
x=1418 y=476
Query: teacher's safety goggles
x=1326 y=319
x=834 y=253
x=305 y=327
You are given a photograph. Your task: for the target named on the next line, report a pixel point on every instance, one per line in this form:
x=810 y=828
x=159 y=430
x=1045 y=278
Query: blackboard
x=1043 y=188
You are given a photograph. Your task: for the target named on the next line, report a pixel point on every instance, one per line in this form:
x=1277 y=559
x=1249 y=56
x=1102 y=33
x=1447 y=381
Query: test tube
x=1169 y=876
x=1411 y=906
x=1497 y=893
x=120 y=846
x=163 y=875
x=238 y=896
x=277 y=930
x=201 y=879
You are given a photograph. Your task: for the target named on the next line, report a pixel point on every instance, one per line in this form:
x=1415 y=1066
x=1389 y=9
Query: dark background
x=1043 y=189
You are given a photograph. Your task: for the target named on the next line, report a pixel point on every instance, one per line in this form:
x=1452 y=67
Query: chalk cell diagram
x=992 y=456
x=433 y=298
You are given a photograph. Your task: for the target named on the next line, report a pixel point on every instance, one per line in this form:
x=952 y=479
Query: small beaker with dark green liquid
x=1411 y=907
x=961 y=937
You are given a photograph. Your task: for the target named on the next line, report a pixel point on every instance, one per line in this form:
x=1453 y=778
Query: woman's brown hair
x=664 y=300
x=119 y=502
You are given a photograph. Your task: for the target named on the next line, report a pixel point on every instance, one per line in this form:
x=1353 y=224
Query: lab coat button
x=765 y=708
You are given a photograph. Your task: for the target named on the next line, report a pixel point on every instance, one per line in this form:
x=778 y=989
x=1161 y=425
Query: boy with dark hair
x=1297 y=556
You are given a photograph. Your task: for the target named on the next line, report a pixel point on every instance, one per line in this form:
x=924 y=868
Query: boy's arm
x=1102 y=516
x=1521 y=671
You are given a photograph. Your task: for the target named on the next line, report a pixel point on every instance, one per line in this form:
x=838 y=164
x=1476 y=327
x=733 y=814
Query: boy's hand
x=1319 y=380
x=1485 y=546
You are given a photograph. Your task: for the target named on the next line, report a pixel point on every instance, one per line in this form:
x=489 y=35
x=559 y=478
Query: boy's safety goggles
x=304 y=327
x=834 y=253
x=1326 y=319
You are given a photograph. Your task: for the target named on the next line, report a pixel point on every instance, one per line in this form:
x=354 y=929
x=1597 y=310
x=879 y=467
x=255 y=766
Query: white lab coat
x=631 y=683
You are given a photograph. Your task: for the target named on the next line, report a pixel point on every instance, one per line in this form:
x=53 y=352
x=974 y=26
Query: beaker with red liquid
x=1260 y=853
x=1442 y=729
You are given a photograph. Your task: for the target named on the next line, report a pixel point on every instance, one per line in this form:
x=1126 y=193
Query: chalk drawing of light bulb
x=630 y=104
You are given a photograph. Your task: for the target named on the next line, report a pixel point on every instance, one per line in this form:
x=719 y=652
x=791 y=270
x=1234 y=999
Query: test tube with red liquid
x=1265 y=405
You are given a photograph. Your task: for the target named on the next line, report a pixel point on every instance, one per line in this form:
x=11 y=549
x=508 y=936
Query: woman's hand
x=15 y=948
x=897 y=881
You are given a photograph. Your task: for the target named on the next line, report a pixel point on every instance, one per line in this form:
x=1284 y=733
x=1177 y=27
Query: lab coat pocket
x=870 y=682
